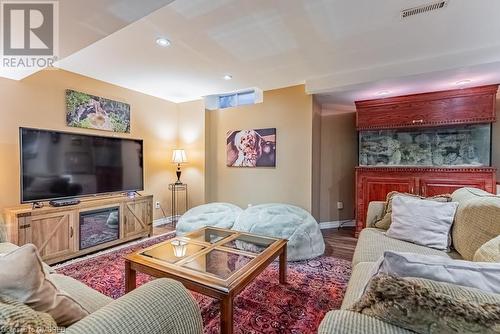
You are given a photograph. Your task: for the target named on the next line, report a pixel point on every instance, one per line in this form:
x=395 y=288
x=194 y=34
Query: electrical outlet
x=157 y=205
x=340 y=205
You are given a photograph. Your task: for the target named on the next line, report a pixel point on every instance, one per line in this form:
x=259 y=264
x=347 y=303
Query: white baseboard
x=337 y=224
x=163 y=221
x=322 y=226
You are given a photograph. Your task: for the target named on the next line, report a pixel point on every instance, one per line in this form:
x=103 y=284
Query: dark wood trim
x=428 y=169
x=439 y=95
x=460 y=106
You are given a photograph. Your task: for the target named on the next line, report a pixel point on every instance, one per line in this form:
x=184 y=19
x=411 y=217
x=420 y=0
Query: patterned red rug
x=314 y=288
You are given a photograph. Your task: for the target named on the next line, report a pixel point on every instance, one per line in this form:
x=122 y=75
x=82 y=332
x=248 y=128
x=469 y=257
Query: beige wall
x=192 y=139
x=338 y=159
x=316 y=160
x=39 y=101
x=289 y=110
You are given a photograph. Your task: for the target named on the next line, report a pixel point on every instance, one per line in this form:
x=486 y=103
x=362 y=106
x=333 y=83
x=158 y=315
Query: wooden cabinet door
x=374 y=186
x=137 y=218
x=431 y=186
x=53 y=234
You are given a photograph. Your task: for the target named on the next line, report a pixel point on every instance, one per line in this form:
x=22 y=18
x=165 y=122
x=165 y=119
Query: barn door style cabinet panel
x=63 y=233
x=424 y=144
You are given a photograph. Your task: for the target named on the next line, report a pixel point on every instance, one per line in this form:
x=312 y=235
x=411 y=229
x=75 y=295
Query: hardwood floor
x=339 y=243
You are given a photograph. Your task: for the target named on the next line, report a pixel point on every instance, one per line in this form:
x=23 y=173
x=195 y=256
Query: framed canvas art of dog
x=251 y=148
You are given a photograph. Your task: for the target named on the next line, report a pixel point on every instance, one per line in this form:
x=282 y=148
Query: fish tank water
x=463 y=145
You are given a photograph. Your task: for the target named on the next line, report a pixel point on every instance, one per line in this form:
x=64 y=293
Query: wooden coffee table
x=215 y=262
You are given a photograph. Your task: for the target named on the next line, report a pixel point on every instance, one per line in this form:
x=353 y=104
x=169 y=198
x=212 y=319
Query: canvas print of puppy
x=251 y=148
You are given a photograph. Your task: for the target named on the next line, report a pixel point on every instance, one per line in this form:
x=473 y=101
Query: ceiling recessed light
x=383 y=92
x=463 y=82
x=227 y=77
x=163 y=42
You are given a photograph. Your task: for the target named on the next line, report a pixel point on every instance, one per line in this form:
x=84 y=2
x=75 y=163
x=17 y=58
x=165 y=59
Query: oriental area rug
x=314 y=287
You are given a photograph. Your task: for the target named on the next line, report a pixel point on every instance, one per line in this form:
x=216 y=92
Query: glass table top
x=218 y=253
x=249 y=243
x=208 y=235
x=173 y=251
x=218 y=263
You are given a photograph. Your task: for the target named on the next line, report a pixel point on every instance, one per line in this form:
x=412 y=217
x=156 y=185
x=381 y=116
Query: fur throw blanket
x=409 y=304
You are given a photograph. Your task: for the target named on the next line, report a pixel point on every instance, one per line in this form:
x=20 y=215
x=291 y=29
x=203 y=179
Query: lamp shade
x=179 y=156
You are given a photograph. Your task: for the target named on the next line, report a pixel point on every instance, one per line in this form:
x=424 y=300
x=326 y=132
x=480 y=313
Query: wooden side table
x=179 y=200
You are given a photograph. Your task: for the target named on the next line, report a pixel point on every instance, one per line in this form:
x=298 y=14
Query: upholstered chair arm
x=348 y=322
x=162 y=306
x=375 y=211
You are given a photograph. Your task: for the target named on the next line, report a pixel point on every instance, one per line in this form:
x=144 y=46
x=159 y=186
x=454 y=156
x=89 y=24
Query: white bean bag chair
x=221 y=215
x=284 y=221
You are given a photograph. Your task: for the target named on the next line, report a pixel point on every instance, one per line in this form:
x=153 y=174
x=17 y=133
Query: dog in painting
x=249 y=146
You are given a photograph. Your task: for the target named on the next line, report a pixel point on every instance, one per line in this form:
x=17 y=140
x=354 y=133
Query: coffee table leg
x=226 y=315
x=130 y=277
x=283 y=264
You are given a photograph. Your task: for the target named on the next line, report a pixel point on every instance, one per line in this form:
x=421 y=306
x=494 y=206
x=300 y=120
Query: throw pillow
x=23 y=278
x=482 y=276
x=16 y=317
x=422 y=222
x=477 y=221
x=489 y=252
x=385 y=222
x=409 y=304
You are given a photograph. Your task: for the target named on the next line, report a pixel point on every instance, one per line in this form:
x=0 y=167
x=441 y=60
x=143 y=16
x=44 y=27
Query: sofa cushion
x=425 y=223
x=372 y=244
x=489 y=252
x=361 y=275
x=385 y=221
x=6 y=247
x=16 y=317
x=90 y=299
x=411 y=305
x=348 y=322
x=477 y=220
x=22 y=278
x=483 y=276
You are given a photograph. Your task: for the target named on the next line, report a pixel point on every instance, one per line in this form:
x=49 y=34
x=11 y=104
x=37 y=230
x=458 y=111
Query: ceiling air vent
x=406 y=13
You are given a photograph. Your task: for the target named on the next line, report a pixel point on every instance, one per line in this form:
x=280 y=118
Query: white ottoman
x=221 y=215
x=284 y=221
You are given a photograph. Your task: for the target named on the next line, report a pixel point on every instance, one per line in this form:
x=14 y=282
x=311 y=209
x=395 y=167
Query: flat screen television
x=59 y=165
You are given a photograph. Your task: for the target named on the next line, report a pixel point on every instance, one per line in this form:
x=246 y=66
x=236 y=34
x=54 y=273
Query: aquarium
x=464 y=145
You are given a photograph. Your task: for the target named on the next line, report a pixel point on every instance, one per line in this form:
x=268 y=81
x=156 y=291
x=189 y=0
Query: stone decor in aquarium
x=468 y=145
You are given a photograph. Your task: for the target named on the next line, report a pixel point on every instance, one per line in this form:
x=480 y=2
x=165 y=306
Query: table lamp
x=179 y=157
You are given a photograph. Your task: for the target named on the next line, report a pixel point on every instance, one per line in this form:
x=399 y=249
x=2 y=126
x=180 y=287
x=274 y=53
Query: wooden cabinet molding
x=55 y=231
x=460 y=106
x=374 y=183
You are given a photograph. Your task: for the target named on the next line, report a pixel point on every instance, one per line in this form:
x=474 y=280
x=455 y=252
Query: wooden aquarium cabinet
x=418 y=113
x=56 y=230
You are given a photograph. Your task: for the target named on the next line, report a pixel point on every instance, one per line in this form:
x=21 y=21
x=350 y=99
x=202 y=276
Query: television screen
x=56 y=165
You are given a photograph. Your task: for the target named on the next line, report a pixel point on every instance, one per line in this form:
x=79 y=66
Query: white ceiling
x=83 y=22
x=342 y=98
x=346 y=49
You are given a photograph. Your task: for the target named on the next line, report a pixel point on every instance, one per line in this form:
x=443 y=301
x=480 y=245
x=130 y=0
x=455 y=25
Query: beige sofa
x=162 y=306
x=477 y=218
